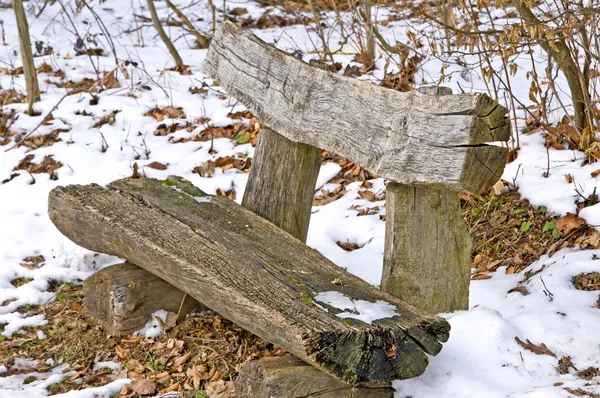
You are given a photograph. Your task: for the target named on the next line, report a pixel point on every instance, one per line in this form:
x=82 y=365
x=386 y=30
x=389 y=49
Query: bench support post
x=427 y=260
x=282 y=182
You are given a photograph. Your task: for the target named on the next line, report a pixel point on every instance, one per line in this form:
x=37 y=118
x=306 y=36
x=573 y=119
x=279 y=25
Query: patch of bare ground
x=202 y=353
x=509 y=232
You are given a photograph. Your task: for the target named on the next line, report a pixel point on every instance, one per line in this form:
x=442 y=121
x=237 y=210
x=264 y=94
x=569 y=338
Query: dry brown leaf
x=519 y=289
x=171 y=388
x=121 y=352
x=33 y=262
x=368 y=195
x=569 y=178
x=182 y=359
x=143 y=386
x=168 y=111
x=595 y=174
x=110 y=81
x=588 y=374
x=47 y=165
x=480 y=276
x=564 y=364
x=157 y=166
x=499 y=187
x=220 y=389
x=568 y=223
x=348 y=246
x=540 y=349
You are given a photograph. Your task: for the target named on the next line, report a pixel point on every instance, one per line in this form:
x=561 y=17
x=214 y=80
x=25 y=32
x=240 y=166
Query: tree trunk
x=31 y=82
x=282 y=182
x=569 y=67
x=254 y=274
x=163 y=34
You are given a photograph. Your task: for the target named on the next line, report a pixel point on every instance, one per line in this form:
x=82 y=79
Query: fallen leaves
x=509 y=232
x=33 y=262
x=327 y=197
x=564 y=364
x=40 y=141
x=348 y=246
x=540 y=349
x=241 y=133
x=224 y=163
x=519 y=289
x=47 y=165
x=167 y=112
x=157 y=166
x=587 y=281
x=11 y=96
x=569 y=223
x=143 y=386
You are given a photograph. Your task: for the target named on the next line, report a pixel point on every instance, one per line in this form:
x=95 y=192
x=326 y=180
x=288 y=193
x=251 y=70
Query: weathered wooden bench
x=430 y=144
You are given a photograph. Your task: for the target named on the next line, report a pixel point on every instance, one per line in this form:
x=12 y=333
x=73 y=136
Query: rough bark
x=407 y=137
x=31 y=82
x=123 y=297
x=249 y=271
x=289 y=377
x=427 y=258
x=163 y=35
x=282 y=182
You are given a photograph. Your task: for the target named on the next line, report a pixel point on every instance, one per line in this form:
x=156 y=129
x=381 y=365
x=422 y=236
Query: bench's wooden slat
x=249 y=271
x=406 y=137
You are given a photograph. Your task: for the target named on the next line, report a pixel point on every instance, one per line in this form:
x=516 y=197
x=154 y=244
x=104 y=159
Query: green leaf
x=549 y=226
x=518 y=211
x=243 y=138
x=555 y=233
x=475 y=211
x=543 y=209
x=525 y=225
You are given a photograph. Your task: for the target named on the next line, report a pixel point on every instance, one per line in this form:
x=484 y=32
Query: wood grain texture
x=123 y=297
x=282 y=182
x=427 y=258
x=407 y=137
x=289 y=377
x=249 y=271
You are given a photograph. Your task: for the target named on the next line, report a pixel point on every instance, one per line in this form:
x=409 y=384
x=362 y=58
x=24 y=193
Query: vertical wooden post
x=282 y=182
x=427 y=260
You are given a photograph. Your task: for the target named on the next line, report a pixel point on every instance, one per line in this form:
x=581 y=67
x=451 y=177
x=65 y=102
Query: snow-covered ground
x=482 y=357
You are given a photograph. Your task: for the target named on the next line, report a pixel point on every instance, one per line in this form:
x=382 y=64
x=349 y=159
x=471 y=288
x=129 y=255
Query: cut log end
x=483 y=167
x=367 y=357
x=491 y=123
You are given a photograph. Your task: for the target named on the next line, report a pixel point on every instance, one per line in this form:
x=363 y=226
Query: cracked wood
x=249 y=271
x=410 y=137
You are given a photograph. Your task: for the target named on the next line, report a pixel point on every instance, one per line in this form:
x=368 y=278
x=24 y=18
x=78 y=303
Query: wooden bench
x=428 y=143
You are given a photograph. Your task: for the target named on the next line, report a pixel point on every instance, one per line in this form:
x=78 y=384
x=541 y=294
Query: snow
x=362 y=310
x=107 y=364
x=481 y=358
x=152 y=328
